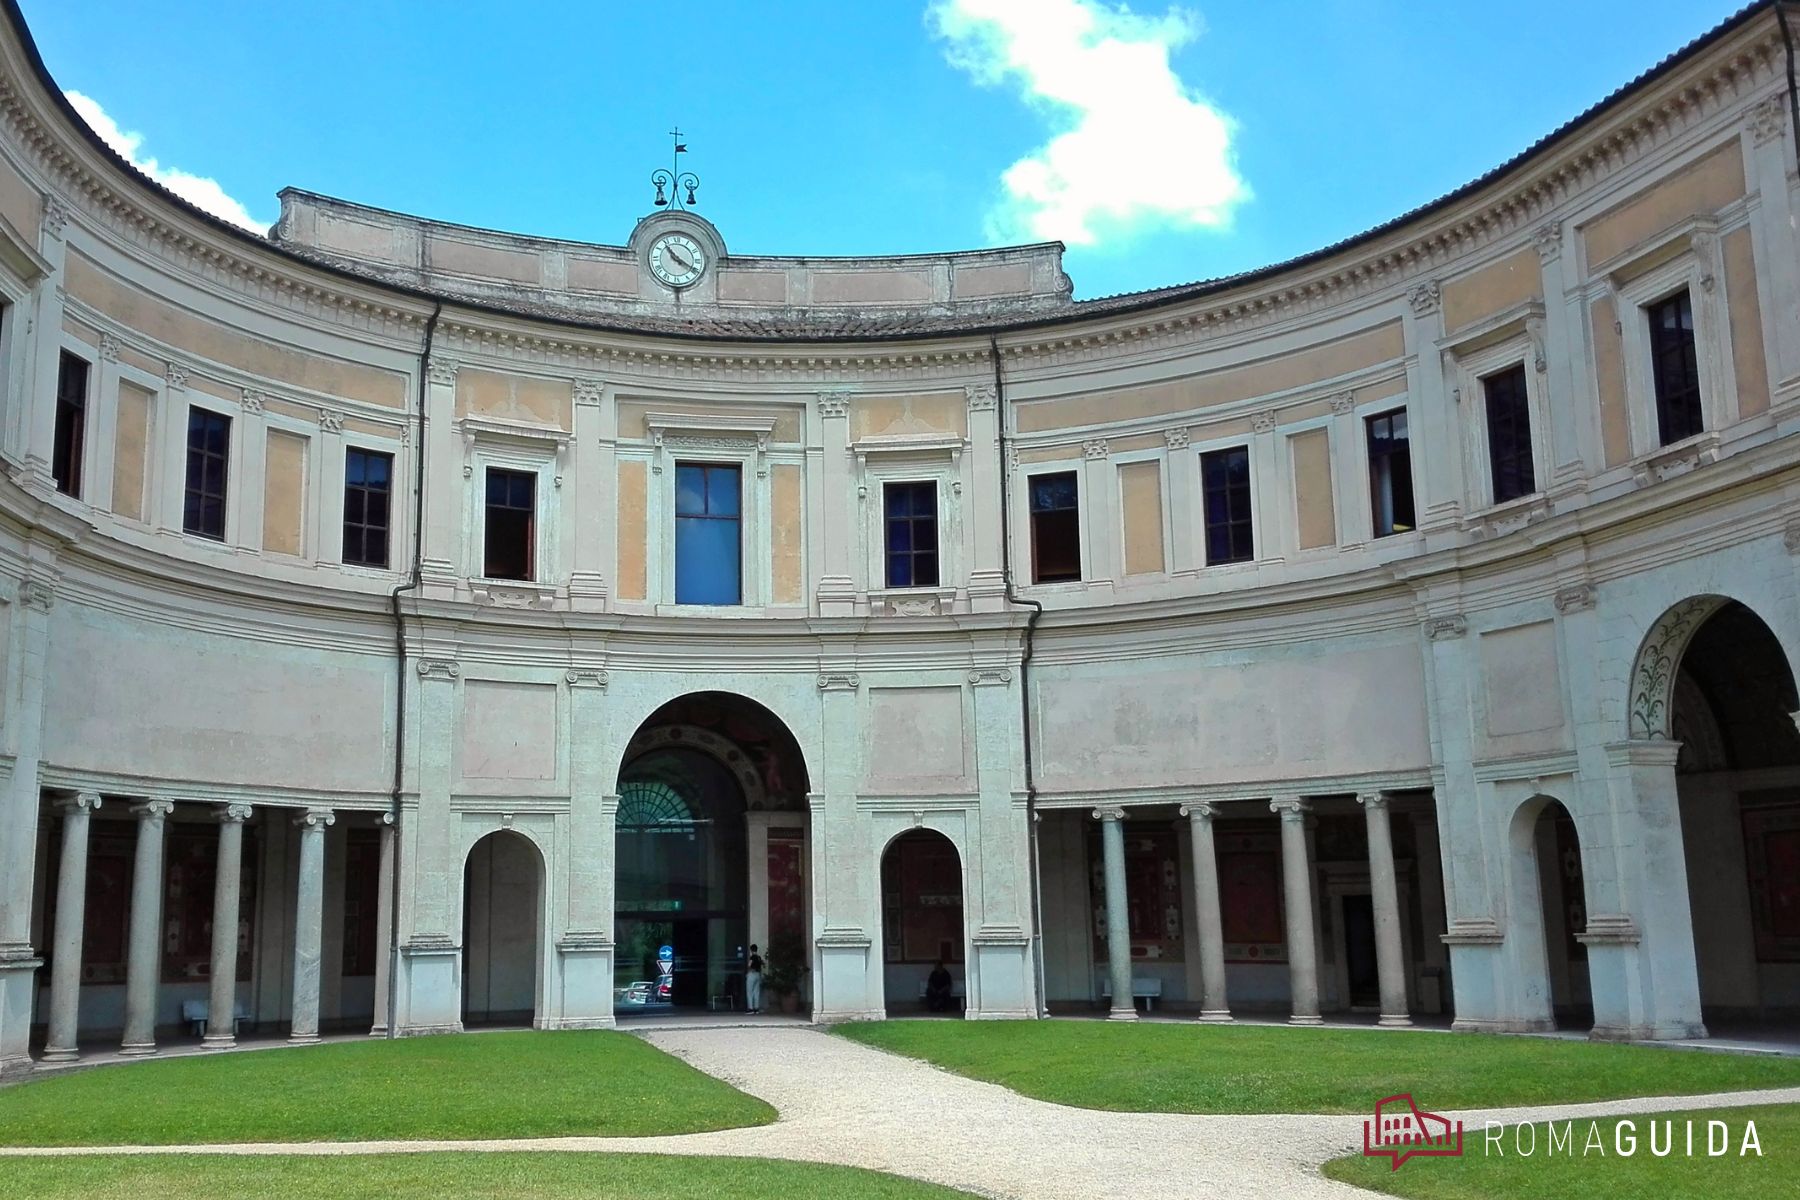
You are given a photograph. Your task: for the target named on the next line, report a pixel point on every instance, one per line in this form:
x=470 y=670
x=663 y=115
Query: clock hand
x=681 y=262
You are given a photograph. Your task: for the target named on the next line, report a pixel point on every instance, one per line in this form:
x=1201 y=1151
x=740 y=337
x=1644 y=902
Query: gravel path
x=841 y=1102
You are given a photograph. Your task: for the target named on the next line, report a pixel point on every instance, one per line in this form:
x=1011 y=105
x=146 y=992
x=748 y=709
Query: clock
x=677 y=260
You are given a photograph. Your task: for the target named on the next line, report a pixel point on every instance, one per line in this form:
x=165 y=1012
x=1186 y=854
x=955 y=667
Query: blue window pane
x=900 y=535
x=722 y=491
x=353 y=467
x=899 y=570
x=690 y=491
x=707 y=561
x=378 y=465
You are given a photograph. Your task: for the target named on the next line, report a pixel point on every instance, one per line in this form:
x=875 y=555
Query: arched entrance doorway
x=503 y=900
x=710 y=835
x=1549 y=884
x=1738 y=780
x=922 y=923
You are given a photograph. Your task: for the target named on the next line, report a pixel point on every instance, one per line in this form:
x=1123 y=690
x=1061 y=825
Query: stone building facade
x=409 y=625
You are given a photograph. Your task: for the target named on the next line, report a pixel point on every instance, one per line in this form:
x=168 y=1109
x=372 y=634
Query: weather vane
x=675 y=179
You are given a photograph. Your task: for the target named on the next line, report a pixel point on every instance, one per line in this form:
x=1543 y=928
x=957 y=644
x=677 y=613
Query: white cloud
x=1135 y=147
x=197 y=190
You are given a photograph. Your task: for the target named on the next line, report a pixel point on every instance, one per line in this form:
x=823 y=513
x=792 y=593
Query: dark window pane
x=1675 y=368
x=1055 y=528
x=1390 y=473
x=1509 y=434
x=71 y=423
x=912 y=533
x=366 y=476
x=509 y=547
x=1225 y=493
x=209 y=447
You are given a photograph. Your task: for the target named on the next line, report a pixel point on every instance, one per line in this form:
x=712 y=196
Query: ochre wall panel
x=1609 y=376
x=1748 y=362
x=1314 y=508
x=1140 y=485
x=131 y=440
x=785 y=500
x=284 y=493
x=1493 y=289
x=523 y=398
x=1704 y=187
x=632 y=530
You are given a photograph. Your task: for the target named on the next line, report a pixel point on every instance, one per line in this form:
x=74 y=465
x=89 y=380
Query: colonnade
x=144 y=948
x=1298 y=903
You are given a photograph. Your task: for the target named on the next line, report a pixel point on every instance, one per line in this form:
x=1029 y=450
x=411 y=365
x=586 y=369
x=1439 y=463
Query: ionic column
x=71 y=919
x=384 y=924
x=143 y=955
x=221 y=1003
x=1213 y=1003
x=309 y=922
x=1296 y=881
x=1118 y=922
x=1384 y=892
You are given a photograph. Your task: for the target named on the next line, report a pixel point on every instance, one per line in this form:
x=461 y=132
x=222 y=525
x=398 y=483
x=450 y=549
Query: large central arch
x=709 y=788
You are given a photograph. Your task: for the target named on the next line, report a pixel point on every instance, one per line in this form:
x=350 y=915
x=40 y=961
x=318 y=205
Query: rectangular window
x=1390 y=473
x=1055 y=528
x=368 y=482
x=912 y=534
x=1509 y=434
x=1675 y=367
x=709 y=546
x=208 y=462
x=71 y=423
x=1225 y=492
x=509 y=544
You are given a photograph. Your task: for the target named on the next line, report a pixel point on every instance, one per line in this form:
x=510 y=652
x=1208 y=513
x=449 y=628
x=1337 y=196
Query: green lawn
x=548 y=1176
x=489 y=1085
x=1483 y=1174
x=1194 y=1068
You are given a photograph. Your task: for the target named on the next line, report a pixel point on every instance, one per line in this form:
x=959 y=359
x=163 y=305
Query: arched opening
x=503 y=900
x=922 y=924
x=1552 y=902
x=710 y=834
x=1738 y=780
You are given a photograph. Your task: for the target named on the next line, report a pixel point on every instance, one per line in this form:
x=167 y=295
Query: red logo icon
x=1401 y=1131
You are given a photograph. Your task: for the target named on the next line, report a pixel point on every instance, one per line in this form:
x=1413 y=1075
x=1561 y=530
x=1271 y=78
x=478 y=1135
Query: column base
x=138 y=1049
x=1122 y=1014
x=379 y=1031
x=1216 y=1016
x=303 y=1039
x=220 y=1041
x=60 y=1054
x=1304 y=1019
x=1394 y=1022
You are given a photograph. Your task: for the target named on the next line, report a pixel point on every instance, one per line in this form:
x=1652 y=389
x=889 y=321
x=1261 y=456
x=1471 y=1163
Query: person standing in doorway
x=753 y=973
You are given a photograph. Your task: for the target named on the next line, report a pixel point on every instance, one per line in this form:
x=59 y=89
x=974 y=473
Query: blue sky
x=1164 y=144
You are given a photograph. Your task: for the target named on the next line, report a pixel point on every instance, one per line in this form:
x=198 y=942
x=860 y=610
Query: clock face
x=677 y=259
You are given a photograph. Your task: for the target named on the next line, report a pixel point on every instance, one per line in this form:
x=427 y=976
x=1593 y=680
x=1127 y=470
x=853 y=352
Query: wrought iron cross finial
x=675 y=179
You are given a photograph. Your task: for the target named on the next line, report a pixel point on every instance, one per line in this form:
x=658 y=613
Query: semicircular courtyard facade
x=408 y=626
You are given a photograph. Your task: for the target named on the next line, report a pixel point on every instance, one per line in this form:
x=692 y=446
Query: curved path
x=841 y=1102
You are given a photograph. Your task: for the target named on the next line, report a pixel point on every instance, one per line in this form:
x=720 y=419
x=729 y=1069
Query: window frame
x=227 y=507
x=1077 y=471
x=1248 y=450
x=80 y=466
x=523 y=451
x=1516 y=344
x=716 y=442
x=1366 y=422
x=1693 y=406
x=704 y=462
x=534 y=528
x=925 y=486
x=389 y=529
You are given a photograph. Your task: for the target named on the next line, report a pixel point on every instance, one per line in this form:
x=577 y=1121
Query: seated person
x=938 y=987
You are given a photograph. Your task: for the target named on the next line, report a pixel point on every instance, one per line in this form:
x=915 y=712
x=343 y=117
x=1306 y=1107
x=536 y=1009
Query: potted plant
x=784 y=967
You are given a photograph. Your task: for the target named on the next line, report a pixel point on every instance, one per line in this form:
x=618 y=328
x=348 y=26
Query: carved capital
x=586 y=677
x=1176 y=439
x=441 y=370
x=990 y=677
x=1372 y=801
x=438 y=668
x=1110 y=812
x=387 y=819
x=176 y=378
x=1200 y=812
x=834 y=406
x=152 y=810
x=1095 y=448
x=238 y=813
x=56 y=216
x=79 y=801
x=1576 y=597
x=1548 y=240
x=588 y=391
x=1451 y=626
x=1289 y=808
x=982 y=397
x=331 y=421
x=109 y=348
x=253 y=400
x=1343 y=403
x=839 y=681
x=37 y=594
x=315 y=819
x=1263 y=422
x=1424 y=298
x=1768 y=118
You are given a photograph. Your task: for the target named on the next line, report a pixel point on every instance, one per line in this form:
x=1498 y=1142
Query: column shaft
x=1296 y=880
x=71 y=918
x=384 y=926
x=309 y=922
x=143 y=961
x=221 y=1004
x=1118 y=923
x=1214 y=1004
x=1384 y=893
